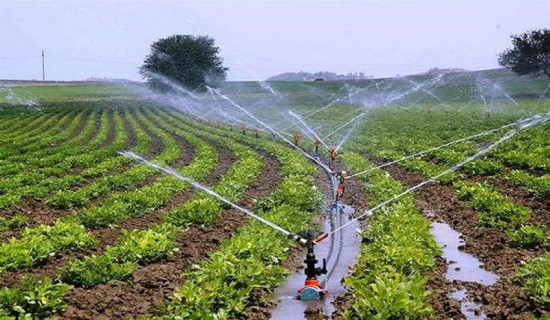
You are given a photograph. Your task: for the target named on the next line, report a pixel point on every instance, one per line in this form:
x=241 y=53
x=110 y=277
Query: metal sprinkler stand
x=312 y=289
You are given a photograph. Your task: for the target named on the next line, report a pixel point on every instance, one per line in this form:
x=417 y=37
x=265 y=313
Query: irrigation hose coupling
x=320 y=238
x=297 y=238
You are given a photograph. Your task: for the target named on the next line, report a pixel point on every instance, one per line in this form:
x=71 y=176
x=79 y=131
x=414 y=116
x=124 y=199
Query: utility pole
x=43 y=70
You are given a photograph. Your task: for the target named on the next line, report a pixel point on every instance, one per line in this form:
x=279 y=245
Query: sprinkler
x=296 y=137
x=312 y=289
x=316 y=154
x=333 y=155
x=342 y=176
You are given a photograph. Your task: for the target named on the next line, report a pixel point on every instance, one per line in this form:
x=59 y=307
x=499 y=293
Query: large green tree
x=530 y=53
x=190 y=61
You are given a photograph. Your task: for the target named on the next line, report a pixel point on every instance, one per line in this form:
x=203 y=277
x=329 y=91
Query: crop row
x=153 y=242
x=221 y=287
x=26 y=161
x=49 y=127
x=120 y=260
x=396 y=255
x=34 y=257
x=46 y=181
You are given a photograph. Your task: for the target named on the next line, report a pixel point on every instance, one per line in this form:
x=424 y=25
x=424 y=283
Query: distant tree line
x=324 y=75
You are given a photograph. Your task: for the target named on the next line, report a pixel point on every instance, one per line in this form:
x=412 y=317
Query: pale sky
x=259 y=39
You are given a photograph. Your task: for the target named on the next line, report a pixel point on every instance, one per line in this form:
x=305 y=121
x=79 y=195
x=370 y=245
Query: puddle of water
x=470 y=309
x=462 y=266
x=344 y=254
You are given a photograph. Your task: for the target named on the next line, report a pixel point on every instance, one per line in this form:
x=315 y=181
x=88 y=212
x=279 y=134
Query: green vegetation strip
x=495 y=210
x=397 y=253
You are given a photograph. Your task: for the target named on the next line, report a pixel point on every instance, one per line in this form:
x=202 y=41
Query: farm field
x=87 y=233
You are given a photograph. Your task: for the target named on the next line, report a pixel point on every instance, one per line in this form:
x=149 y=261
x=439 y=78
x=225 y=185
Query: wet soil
x=355 y=197
x=152 y=285
x=503 y=300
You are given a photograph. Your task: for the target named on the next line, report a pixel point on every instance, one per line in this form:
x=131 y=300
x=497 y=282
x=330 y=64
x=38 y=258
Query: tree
x=530 y=53
x=186 y=60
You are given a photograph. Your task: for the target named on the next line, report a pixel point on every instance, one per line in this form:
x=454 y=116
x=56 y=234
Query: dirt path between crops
x=131 y=141
x=112 y=130
x=503 y=300
x=152 y=285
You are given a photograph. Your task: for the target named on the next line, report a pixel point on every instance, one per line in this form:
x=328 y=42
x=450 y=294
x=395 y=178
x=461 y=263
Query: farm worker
x=296 y=138
x=244 y=129
x=256 y=133
x=342 y=176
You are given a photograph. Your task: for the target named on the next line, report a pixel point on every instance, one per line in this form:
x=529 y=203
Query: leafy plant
x=36 y=300
x=530 y=236
x=536 y=278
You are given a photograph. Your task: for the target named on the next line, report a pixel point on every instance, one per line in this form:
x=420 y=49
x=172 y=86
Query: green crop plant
x=530 y=236
x=536 y=278
x=397 y=253
x=17 y=221
x=120 y=261
x=539 y=186
x=494 y=209
x=39 y=244
x=37 y=299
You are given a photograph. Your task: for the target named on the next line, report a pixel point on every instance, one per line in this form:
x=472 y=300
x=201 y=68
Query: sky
x=259 y=39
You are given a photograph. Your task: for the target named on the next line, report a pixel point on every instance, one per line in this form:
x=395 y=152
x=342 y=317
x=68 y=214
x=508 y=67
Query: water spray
x=521 y=127
x=209 y=191
x=308 y=128
x=275 y=132
x=420 y=153
x=344 y=125
x=346 y=136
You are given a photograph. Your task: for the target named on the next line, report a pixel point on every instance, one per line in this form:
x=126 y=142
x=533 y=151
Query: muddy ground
x=503 y=300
